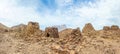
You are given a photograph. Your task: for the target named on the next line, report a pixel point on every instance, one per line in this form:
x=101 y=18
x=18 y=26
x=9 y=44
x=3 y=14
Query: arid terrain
x=30 y=39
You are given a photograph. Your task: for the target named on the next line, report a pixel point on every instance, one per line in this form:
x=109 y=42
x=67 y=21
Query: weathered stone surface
x=106 y=28
x=88 y=28
x=51 y=32
x=114 y=27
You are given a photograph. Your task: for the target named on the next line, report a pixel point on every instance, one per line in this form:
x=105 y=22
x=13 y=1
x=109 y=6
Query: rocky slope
x=29 y=39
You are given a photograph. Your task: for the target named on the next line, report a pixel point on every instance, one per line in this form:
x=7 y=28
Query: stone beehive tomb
x=32 y=27
x=88 y=28
x=51 y=32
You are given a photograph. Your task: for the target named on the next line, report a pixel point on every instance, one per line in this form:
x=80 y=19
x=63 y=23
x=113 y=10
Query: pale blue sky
x=73 y=13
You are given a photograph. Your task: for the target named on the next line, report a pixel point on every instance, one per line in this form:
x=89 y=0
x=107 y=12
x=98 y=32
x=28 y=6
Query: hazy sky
x=73 y=13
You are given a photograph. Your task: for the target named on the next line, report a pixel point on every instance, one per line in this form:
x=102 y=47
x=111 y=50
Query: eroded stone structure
x=106 y=28
x=51 y=32
x=32 y=27
x=76 y=31
x=114 y=27
x=88 y=28
x=18 y=28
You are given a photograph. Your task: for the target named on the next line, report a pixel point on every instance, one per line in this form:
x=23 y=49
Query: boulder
x=88 y=28
x=51 y=32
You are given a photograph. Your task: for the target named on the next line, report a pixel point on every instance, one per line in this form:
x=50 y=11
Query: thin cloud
x=97 y=12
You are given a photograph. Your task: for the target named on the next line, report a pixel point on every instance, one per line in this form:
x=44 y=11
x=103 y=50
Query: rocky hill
x=30 y=39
